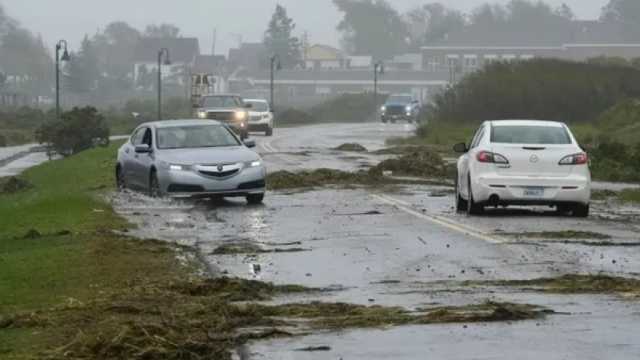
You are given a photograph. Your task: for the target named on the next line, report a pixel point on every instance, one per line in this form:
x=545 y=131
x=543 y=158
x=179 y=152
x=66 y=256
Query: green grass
x=76 y=256
x=630 y=195
x=438 y=134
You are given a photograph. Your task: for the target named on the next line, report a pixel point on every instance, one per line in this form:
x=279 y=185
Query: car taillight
x=575 y=159
x=489 y=157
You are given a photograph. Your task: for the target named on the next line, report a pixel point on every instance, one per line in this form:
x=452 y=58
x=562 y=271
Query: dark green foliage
x=343 y=108
x=3 y=141
x=77 y=130
x=294 y=117
x=542 y=89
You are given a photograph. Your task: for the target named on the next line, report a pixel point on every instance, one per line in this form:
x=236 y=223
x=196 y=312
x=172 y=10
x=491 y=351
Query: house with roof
x=251 y=56
x=469 y=49
x=183 y=53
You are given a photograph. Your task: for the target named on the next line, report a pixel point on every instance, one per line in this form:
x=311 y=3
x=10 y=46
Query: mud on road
x=404 y=246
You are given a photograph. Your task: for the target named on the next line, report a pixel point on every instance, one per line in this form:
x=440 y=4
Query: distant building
x=470 y=49
x=309 y=87
x=325 y=57
x=183 y=53
x=250 y=56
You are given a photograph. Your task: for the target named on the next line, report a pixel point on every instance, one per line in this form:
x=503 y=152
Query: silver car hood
x=207 y=156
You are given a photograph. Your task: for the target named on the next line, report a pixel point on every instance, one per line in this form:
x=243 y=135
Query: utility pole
x=61 y=45
x=378 y=68
x=275 y=66
x=163 y=52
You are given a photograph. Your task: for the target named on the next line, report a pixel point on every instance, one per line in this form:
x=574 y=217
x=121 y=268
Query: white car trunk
x=534 y=160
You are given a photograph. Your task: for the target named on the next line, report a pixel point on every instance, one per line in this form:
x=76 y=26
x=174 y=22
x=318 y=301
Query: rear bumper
x=511 y=190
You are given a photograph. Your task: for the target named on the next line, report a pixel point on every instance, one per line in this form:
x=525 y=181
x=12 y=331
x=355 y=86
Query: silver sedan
x=190 y=158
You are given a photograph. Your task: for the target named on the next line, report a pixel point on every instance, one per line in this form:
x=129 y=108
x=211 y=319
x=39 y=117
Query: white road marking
x=449 y=224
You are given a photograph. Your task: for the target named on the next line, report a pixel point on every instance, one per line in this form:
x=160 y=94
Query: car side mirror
x=461 y=148
x=248 y=106
x=143 y=149
x=250 y=143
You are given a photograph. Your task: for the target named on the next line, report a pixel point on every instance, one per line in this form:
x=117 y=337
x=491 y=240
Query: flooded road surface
x=407 y=247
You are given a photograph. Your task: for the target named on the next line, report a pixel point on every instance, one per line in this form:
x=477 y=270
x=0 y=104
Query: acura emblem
x=220 y=168
x=534 y=159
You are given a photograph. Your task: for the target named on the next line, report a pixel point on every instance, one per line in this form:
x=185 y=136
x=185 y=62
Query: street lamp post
x=163 y=53
x=378 y=68
x=61 y=45
x=275 y=66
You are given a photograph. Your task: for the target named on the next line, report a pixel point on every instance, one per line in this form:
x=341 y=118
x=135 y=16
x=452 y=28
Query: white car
x=260 y=116
x=523 y=162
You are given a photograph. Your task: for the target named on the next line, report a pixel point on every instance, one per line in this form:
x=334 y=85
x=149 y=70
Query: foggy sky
x=72 y=19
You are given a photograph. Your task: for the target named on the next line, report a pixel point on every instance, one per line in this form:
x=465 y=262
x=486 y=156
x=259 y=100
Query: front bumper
x=515 y=190
x=259 y=124
x=398 y=117
x=191 y=183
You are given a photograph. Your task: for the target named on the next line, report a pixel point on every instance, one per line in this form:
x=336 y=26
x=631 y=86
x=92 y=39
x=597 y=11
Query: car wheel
x=580 y=210
x=154 y=186
x=563 y=209
x=255 y=199
x=461 y=204
x=120 y=180
x=473 y=208
x=269 y=131
x=384 y=121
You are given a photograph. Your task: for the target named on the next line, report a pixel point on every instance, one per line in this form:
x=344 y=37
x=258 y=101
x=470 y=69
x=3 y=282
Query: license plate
x=534 y=192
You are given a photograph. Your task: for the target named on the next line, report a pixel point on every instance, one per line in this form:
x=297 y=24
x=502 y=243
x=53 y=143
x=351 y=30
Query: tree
x=279 y=39
x=431 y=23
x=84 y=69
x=77 y=130
x=116 y=45
x=372 y=27
x=565 y=11
x=164 y=31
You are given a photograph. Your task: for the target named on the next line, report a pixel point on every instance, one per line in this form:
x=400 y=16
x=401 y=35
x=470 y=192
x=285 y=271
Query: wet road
x=389 y=248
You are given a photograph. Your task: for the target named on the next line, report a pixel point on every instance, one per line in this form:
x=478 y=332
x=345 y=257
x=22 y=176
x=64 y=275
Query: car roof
x=526 y=123
x=182 y=122
x=257 y=100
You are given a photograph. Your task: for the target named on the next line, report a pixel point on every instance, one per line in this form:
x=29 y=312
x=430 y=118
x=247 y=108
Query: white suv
x=260 y=116
x=523 y=162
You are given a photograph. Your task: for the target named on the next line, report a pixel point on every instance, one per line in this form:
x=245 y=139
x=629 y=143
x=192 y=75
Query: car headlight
x=252 y=164
x=240 y=115
x=176 y=167
x=383 y=109
x=202 y=114
x=408 y=108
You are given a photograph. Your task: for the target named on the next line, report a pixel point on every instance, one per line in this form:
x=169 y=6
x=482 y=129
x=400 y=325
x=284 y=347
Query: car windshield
x=539 y=135
x=187 y=137
x=399 y=99
x=258 y=106
x=220 y=102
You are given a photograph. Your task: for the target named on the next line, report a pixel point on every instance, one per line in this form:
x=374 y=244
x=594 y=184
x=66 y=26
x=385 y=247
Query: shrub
x=294 y=116
x=77 y=130
x=3 y=141
x=541 y=89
